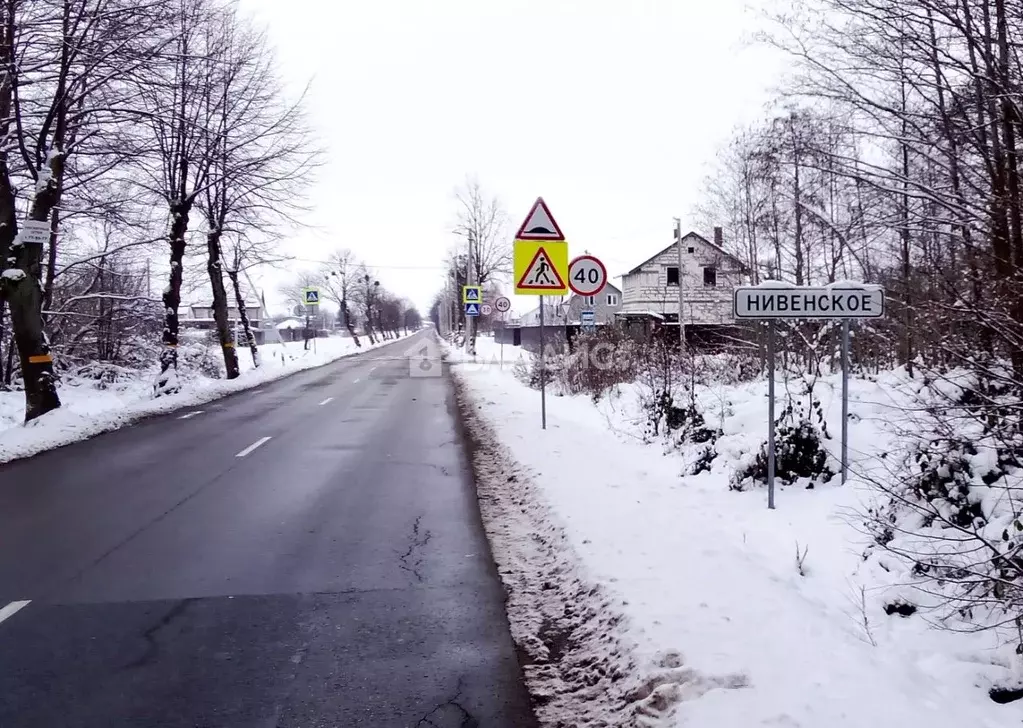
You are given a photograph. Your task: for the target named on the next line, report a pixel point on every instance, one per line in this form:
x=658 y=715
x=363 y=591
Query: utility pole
x=681 y=325
x=470 y=321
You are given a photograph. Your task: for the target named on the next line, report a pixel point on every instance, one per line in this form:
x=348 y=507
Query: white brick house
x=708 y=275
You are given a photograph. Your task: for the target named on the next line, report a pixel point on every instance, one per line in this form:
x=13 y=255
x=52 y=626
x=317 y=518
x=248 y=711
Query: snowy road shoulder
x=692 y=594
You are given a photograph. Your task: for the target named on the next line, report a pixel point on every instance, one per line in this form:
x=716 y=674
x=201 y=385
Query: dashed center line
x=13 y=608
x=328 y=399
x=356 y=381
x=190 y=415
x=252 y=447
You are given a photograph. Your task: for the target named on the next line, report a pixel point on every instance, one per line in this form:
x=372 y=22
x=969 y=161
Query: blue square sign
x=472 y=309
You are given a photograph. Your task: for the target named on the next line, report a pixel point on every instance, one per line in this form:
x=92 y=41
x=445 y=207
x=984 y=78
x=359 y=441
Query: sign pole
x=543 y=379
x=845 y=400
x=503 y=330
x=770 y=414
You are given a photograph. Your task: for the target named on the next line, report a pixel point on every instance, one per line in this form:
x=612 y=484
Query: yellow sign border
x=526 y=250
x=478 y=288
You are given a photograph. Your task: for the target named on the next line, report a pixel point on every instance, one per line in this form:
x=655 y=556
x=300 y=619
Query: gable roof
x=699 y=237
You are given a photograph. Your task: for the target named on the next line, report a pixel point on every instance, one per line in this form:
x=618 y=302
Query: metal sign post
x=543 y=383
x=773 y=300
x=502 y=305
x=770 y=415
x=540 y=264
x=845 y=400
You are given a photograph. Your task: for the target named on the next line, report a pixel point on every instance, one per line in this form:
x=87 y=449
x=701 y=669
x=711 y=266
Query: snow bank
x=726 y=625
x=87 y=411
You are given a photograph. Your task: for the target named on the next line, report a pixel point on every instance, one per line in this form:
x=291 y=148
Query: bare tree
x=482 y=223
x=260 y=156
x=340 y=282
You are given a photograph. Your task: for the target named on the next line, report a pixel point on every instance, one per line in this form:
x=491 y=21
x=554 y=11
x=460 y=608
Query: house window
x=590 y=300
x=672 y=276
x=612 y=299
x=692 y=249
x=710 y=276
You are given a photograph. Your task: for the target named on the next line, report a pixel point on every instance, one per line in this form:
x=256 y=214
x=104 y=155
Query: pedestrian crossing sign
x=472 y=294
x=472 y=309
x=541 y=267
x=311 y=296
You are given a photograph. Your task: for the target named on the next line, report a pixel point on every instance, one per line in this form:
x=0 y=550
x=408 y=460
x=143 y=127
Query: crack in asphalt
x=419 y=540
x=466 y=719
x=152 y=648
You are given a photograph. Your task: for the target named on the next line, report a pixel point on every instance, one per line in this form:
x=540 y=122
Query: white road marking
x=356 y=381
x=372 y=368
x=13 y=608
x=190 y=415
x=255 y=391
x=252 y=447
x=328 y=399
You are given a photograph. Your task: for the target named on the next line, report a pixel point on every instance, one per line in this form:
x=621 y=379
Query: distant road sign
x=587 y=276
x=764 y=302
x=486 y=310
x=472 y=294
x=587 y=317
x=472 y=309
x=502 y=304
x=311 y=296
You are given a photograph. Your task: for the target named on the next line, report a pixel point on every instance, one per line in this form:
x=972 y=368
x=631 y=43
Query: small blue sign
x=587 y=317
x=472 y=309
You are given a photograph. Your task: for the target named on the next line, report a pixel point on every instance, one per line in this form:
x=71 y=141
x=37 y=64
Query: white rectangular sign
x=808 y=303
x=34 y=232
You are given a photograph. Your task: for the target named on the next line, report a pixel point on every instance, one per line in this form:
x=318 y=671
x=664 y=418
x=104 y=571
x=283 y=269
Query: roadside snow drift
x=706 y=608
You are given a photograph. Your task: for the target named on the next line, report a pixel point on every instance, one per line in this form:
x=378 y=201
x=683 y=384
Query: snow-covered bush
x=952 y=509
x=799 y=450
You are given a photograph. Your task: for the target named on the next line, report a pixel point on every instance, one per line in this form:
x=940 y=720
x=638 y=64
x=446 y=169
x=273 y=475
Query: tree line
x=127 y=127
x=892 y=156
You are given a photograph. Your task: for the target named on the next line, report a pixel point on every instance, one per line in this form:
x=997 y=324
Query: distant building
x=604 y=306
x=199 y=316
x=650 y=291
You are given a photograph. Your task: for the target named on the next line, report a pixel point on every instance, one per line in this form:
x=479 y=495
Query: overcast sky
x=610 y=109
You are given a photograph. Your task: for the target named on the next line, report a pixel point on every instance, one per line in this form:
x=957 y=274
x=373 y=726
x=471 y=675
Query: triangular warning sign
x=541 y=275
x=539 y=224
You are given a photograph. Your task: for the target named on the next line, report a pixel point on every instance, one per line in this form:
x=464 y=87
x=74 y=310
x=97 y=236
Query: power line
x=371 y=265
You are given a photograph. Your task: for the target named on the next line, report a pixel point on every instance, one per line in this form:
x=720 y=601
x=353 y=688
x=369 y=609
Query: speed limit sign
x=587 y=276
x=502 y=304
x=486 y=310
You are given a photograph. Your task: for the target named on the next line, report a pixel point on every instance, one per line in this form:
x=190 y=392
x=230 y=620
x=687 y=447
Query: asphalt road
x=306 y=554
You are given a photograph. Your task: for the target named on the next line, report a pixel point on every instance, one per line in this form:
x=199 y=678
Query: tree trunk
x=348 y=322
x=243 y=315
x=215 y=268
x=167 y=381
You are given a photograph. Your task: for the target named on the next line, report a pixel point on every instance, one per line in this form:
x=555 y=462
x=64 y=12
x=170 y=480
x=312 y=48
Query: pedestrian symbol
x=472 y=294
x=540 y=275
x=311 y=296
x=472 y=309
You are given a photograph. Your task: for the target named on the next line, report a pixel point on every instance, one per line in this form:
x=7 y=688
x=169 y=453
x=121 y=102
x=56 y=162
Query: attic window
x=673 y=276
x=692 y=249
x=710 y=276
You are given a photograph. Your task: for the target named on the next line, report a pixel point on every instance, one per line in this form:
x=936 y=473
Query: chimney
x=719 y=237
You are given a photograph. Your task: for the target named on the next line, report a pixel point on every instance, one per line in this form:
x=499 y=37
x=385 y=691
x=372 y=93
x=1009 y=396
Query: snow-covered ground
x=701 y=585
x=87 y=410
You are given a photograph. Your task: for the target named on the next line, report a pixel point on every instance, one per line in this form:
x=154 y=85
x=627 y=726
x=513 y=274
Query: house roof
x=702 y=239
